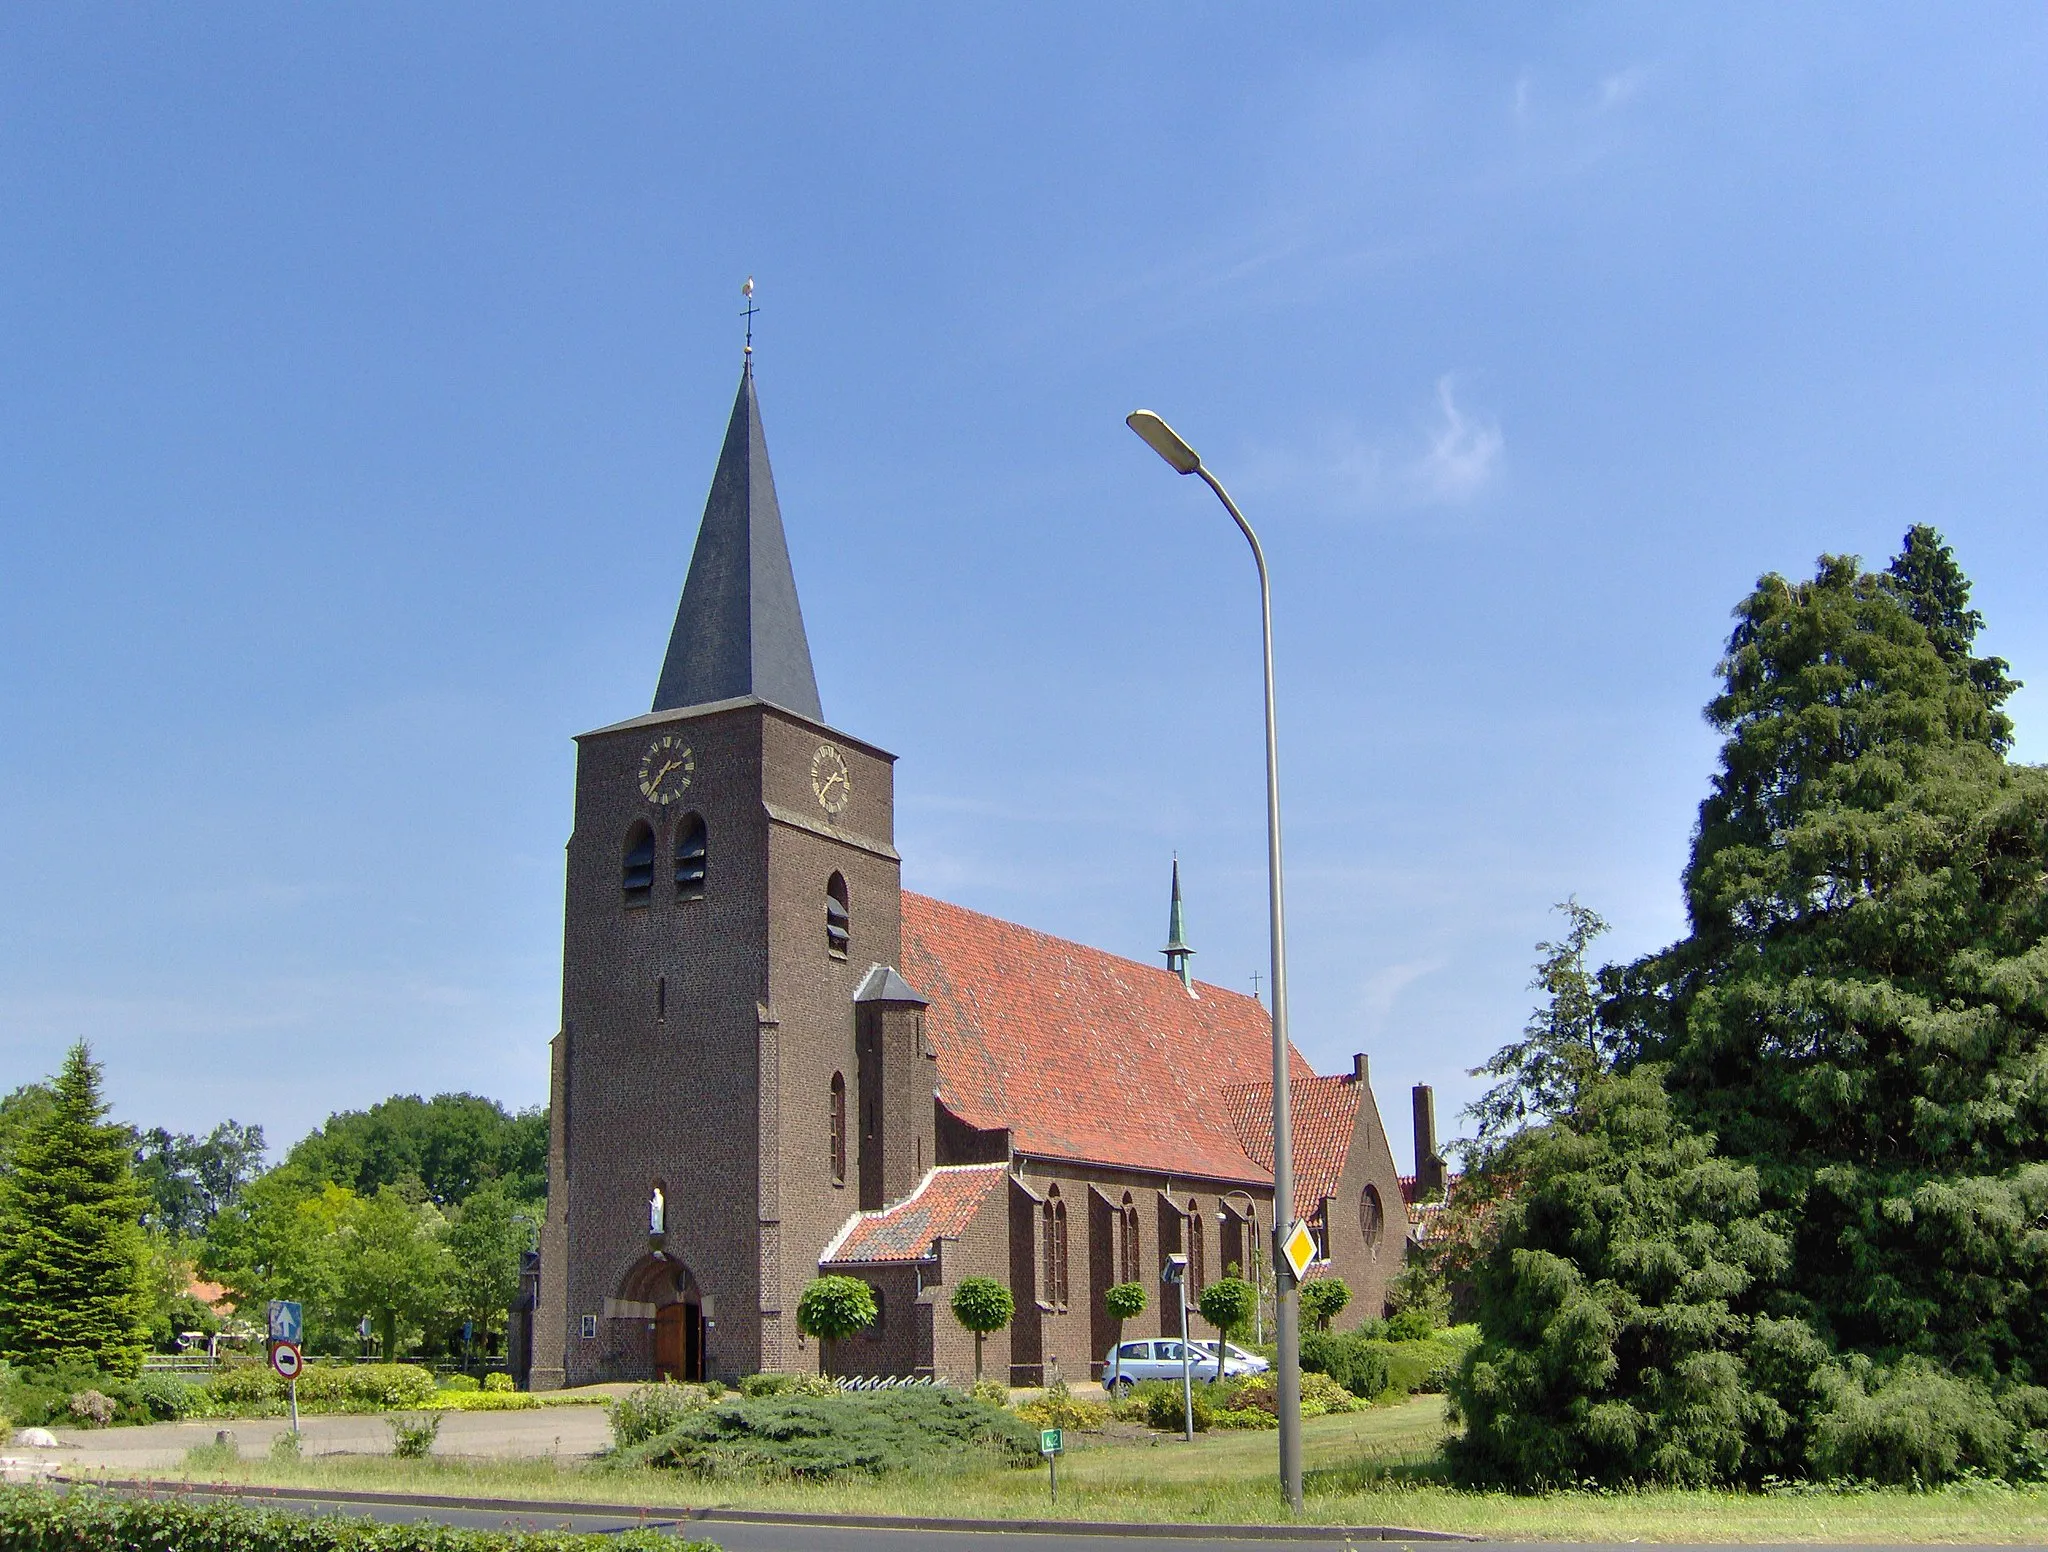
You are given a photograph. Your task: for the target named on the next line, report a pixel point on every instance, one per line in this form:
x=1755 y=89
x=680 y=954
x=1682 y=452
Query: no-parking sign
x=286 y=1358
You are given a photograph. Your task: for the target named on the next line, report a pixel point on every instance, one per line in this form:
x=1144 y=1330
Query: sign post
x=1052 y=1442
x=287 y=1329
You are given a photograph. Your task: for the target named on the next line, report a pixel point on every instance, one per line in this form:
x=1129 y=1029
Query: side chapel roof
x=1084 y=1055
x=942 y=1206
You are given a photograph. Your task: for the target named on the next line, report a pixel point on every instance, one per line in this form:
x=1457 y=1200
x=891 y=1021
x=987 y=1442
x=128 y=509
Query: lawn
x=1367 y=1468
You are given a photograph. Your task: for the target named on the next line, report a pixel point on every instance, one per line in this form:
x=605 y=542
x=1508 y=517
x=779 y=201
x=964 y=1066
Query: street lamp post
x=1164 y=441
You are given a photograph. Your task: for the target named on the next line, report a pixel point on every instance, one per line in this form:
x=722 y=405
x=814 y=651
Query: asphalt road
x=769 y=1536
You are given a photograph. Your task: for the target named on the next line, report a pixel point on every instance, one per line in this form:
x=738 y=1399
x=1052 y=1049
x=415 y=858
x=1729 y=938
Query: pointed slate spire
x=739 y=630
x=1177 y=951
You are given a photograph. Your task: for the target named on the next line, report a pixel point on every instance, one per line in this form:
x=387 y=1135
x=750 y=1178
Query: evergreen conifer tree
x=71 y=1242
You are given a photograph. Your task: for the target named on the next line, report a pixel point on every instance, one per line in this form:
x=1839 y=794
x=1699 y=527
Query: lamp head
x=1164 y=441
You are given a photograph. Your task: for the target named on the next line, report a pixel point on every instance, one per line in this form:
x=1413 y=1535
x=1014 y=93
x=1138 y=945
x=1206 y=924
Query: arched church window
x=838 y=1129
x=1198 y=1256
x=1372 y=1218
x=692 y=852
x=1054 y=1214
x=637 y=876
x=838 y=918
x=1129 y=1266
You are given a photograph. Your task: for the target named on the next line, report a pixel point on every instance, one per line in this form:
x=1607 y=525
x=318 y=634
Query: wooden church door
x=678 y=1343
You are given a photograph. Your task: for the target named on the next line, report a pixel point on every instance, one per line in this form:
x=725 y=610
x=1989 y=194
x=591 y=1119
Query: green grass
x=1364 y=1468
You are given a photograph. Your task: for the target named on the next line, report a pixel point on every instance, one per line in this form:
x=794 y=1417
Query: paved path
x=568 y=1431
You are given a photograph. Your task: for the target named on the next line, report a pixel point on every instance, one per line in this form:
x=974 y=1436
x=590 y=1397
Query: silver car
x=1160 y=1359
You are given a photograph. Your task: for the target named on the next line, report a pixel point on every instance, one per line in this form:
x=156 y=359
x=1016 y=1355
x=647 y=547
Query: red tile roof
x=1081 y=1054
x=940 y=1208
x=1324 y=1112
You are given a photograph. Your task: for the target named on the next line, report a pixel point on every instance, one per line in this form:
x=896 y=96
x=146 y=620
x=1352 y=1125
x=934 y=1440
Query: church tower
x=733 y=884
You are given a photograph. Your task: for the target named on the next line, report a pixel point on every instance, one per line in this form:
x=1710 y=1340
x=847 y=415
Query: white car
x=1236 y=1359
x=1160 y=1359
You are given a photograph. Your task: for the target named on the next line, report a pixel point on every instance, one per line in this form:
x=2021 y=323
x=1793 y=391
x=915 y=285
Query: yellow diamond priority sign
x=1299 y=1248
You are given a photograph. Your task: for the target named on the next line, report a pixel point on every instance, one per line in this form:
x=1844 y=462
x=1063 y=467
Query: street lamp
x=1166 y=442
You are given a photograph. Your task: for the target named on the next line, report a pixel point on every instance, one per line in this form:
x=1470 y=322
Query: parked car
x=1160 y=1359
x=1234 y=1356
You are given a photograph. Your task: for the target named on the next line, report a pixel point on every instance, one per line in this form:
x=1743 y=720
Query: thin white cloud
x=1464 y=452
x=1622 y=87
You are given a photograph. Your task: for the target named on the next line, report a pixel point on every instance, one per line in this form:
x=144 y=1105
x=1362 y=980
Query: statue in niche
x=657 y=1212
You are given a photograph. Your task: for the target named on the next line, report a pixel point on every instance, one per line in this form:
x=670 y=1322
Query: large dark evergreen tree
x=1857 y=1022
x=71 y=1247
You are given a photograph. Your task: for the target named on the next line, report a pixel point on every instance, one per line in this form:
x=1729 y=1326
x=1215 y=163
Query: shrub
x=1246 y=1418
x=1914 y=1426
x=412 y=1438
x=767 y=1384
x=926 y=1427
x=43 y=1395
x=1410 y=1325
x=93 y=1408
x=1323 y=1300
x=167 y=1398
x=992 y=1392
x=82 y=1520
x=1160 y=1404
x=655 y=1409
x=482 y=1401
x=499 y=1383
x=250 y=1388
x=1320 y=1395
x=458 y=1383
x=1060 y=1408
x=1359 y=1365
x=365 y=1387
x=772 y=1384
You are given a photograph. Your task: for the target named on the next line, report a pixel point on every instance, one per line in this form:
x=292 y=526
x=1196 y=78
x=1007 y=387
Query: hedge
x=36 y=1519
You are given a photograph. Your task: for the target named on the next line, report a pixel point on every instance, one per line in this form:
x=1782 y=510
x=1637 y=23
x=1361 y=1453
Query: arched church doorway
x=677 y=1327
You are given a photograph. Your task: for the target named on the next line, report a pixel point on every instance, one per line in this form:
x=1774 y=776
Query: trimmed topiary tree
x=1323 y=1300
x=71 y=1245
x=834 y=1307
x=1124 y=1301
x=1227 y=1304
x=982 y=1305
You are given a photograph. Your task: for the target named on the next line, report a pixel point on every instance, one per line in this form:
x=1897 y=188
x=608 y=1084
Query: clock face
x=830 y=779
x=665 y=769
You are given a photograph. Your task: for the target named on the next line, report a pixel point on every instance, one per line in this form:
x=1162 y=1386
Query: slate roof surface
x=940 y=1208
x=1083 y=1055
x=1324 y=1112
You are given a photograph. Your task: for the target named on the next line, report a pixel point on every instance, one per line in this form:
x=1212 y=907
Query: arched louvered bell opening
x=693 y=852
x=838 y=919
x=637 y=874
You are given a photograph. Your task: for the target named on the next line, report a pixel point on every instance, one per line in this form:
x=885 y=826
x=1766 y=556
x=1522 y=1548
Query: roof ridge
x=1075 y=943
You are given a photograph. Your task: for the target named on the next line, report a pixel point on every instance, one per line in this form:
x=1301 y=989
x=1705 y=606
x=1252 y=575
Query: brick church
x=775 y=1062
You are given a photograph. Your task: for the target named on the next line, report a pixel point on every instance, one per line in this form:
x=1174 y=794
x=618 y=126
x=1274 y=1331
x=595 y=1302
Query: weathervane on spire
x=747 y=291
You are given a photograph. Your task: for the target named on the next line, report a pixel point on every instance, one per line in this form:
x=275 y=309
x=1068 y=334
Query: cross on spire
x=747 y=291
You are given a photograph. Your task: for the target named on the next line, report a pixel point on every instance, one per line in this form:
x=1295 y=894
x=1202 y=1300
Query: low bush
x=248 y=1390
x=641 y=1414
x=923 y=1428
x=43 y=1397
x=458 y=1383
x=412 y=1438
x=1357 y=1363
x=1059 y=1407
x=1320 y=1396
x=1161 y=1404
x=499 y=1382
x=782 y=1385
x=365 y=1387
x=81 y=1520
x=994 y=1392
x=168 y=1398
x=482 y=1401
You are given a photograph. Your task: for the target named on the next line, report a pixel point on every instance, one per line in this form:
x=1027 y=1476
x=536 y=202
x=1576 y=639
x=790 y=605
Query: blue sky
x=362 y=370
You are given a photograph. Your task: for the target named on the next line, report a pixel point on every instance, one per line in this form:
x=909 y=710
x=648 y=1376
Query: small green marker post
x=1051 y=1442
